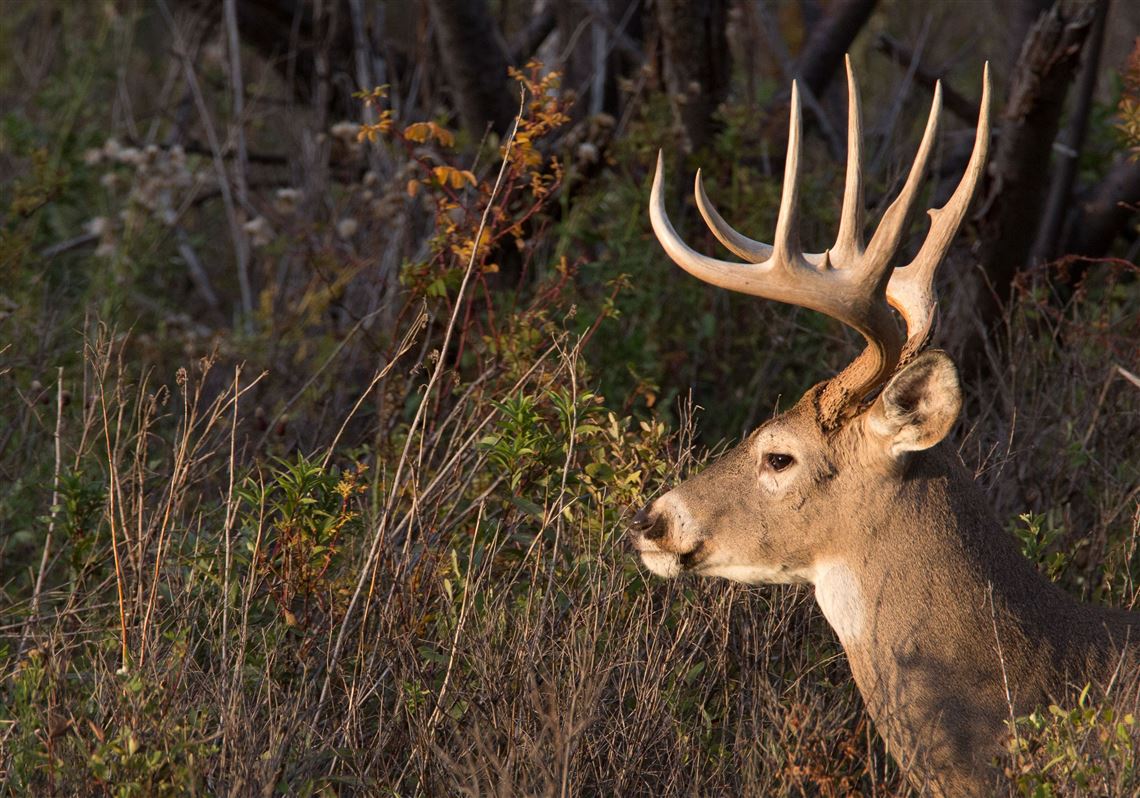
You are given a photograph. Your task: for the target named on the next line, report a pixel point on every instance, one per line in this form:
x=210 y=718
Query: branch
x=291 y=35
x=215 y=146
x=770 y=30
x=696 y=64
x=475 y=61
x=955 y=103
x=241 y=170
x=1106 y=212
x=380 y=533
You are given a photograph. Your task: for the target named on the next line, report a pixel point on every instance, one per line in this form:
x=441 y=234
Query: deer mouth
x=670 y=564
x=693 y=558
x=685 y=559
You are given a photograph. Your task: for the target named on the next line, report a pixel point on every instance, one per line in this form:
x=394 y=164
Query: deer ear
x=919 y=405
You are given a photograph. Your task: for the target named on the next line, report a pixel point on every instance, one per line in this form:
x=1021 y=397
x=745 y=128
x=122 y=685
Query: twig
x=405 y=345
x=609 y=37
x=69 y=244
x=830 y=40
x=1067 y=150
x=530 y=38
x=230 y=515
x=952 y=99
x=417 y=421
x=458 y=628
x=891 y=122
x=34 y=611
x=784 y=58
x=114 y=506
x=1128 y=375
x=598 y=56
x=215 y=152
x=197 y=274
x=555 y=512
x=267 y=158
x=238 y=133
x=1004 y=673
x=315 y=375
x=361 y=52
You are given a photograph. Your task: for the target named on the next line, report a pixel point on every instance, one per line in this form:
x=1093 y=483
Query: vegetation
x=318 y=437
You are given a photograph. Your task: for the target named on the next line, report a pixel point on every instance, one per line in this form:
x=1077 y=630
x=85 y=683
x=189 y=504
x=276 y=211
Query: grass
x=504 y=637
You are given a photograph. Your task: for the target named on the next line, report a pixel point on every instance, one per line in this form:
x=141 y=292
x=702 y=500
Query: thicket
x=317 y=444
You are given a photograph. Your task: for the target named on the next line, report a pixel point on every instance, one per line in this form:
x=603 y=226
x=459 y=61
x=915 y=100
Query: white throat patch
x=838 y=594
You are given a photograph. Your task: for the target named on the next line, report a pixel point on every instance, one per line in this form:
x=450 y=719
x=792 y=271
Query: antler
x=850 y=282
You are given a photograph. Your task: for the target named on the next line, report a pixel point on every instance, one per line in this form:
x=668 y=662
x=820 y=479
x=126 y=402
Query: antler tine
x=786 y=274
x=786 y=243
x=885 y=242
x=799 y=284
x=849 y=240
x=740 y=245
x=795 y=282
x=911 y=288
x=710 y=270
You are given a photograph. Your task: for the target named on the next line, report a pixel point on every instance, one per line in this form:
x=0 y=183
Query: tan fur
x=937 y=610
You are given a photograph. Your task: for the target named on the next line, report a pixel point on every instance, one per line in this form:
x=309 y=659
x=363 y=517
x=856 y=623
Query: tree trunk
x=475 y=62
x=1018 y=177
x=830 y=41
x=1051 y=227
x=315 y=51
x=696 y=64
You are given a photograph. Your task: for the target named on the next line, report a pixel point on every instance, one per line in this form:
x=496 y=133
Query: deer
x=949 y=631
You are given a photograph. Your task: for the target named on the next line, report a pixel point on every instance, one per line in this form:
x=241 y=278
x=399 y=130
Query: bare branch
x=696 y=63
x=237 y=130
x=955 y=103
x=530 y=38
x=215 y=145
x=1105 y=213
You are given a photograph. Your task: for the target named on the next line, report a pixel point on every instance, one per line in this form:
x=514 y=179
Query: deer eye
x=778 y=462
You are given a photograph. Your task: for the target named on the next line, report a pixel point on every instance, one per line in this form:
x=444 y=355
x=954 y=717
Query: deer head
x=788 y=502
x=949 y=631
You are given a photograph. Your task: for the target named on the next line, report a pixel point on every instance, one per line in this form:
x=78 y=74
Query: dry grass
x=494 y=649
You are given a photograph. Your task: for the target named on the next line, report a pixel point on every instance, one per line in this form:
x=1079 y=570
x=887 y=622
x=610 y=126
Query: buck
x=949 y=631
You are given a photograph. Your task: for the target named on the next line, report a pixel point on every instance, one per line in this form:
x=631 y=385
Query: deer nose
x=647 y=524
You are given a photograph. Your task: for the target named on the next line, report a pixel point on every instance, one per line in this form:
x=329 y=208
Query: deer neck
x=946 y=626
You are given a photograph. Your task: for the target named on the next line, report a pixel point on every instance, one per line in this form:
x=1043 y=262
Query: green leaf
x=527 y=506
x=601 y=471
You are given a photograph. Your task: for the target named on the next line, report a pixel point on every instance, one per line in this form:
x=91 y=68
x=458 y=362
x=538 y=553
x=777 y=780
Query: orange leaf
x=418 y=132
x=443 y=135
x=442 y=174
